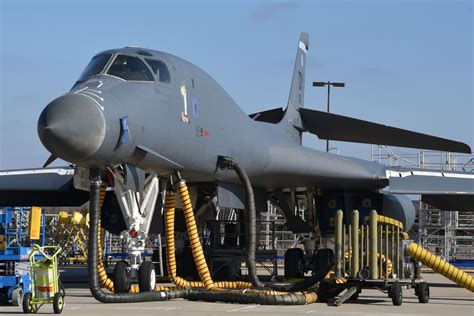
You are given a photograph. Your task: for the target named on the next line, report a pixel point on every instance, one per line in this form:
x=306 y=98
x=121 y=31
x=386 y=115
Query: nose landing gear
x=137 y=204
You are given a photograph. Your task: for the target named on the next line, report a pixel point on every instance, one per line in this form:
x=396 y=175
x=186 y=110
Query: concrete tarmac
x=446 y=299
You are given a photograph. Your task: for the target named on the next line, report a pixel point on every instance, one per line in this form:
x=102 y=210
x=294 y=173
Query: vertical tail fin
x=296 y=98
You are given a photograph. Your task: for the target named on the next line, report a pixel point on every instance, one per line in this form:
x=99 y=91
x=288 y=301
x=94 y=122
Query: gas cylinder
x=44 y=280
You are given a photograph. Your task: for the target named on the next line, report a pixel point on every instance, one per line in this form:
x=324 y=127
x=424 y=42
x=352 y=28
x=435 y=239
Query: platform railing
x=369 y=250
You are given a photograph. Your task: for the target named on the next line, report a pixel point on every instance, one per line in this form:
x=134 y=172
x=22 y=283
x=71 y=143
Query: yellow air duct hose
x=170 y=250
x=216 y=291
x=196 y=247
x=380 y=257
x=103 y=278
x=170 y=246
x=441 y=266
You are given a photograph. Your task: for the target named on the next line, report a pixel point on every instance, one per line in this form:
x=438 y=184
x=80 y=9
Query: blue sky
x=406 y=63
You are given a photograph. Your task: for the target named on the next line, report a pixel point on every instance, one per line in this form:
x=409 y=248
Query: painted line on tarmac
x=151 y=308
x=241 y=308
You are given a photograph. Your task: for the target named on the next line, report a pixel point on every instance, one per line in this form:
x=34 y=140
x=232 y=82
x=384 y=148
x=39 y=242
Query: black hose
x=97 y=291
x=251 y=224
x=325 y=262
x=241 y=297
x=308 y=282
x=227 y=163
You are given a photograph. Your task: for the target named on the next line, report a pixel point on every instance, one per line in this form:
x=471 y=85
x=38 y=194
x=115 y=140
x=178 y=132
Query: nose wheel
x=146 y=276
x=122 y=277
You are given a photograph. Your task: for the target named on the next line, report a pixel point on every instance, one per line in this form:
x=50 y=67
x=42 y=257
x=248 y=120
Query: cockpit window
x=95 y=66
x=160 y=69
x=130 y=68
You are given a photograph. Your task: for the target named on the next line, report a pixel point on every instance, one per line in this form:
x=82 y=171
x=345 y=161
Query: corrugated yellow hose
x=247 y=295
x=381 y=257
x=196 y=247
x=103 y=278
x=170 y=246
x=171 y=250
x=441 y=266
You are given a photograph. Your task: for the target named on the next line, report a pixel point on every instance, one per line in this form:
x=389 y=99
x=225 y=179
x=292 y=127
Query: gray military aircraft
x=139 y=116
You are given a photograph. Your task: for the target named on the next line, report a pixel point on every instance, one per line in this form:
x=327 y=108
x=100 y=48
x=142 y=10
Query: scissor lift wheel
x=17 y=296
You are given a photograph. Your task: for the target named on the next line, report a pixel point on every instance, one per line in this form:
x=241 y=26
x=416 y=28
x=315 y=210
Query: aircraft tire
x=294 y=263
x=121 y=277
x=147 y=276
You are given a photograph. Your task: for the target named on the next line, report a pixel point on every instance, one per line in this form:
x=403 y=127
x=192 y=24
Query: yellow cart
x=46 y=286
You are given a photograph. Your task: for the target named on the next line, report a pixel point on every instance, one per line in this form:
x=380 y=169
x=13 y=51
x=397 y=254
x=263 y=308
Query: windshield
x=160 y=69
x=95 y=66
x=130 y=68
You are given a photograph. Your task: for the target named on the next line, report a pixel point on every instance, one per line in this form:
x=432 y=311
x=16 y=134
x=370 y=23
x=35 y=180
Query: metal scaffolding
x=447 y=234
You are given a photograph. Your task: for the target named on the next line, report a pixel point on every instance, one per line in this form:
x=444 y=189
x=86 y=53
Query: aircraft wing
x=446 y=190
x=42 y=187
x=343 y=128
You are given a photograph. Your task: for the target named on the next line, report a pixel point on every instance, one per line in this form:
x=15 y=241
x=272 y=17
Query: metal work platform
x=446 y=234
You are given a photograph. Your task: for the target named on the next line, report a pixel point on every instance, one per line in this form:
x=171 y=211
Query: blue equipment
x=15 y=249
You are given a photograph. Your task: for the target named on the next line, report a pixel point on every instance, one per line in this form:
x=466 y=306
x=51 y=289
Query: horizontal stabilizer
x=419 y=181
x=342 y=128
x=450 y=202
x=431 y=185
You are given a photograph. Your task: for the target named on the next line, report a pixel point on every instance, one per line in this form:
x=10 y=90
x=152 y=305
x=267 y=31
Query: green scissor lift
x=46 y=286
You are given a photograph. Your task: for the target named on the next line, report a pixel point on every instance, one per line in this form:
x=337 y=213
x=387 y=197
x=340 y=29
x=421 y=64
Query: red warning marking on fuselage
x=204 y=132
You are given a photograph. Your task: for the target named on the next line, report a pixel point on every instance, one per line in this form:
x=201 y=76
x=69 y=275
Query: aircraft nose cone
x=72 y=127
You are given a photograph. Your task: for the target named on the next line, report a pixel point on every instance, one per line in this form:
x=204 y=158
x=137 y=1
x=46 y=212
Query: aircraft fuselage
x=189 y=119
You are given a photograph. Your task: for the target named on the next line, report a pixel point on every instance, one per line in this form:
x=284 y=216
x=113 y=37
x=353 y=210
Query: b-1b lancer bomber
x=141 y=121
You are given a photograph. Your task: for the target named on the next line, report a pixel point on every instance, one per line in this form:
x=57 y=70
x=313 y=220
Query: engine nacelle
x=401 y=208
x=396 y=206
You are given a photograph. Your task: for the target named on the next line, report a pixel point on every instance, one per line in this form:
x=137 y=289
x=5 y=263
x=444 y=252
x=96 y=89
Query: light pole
x=329 y=84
